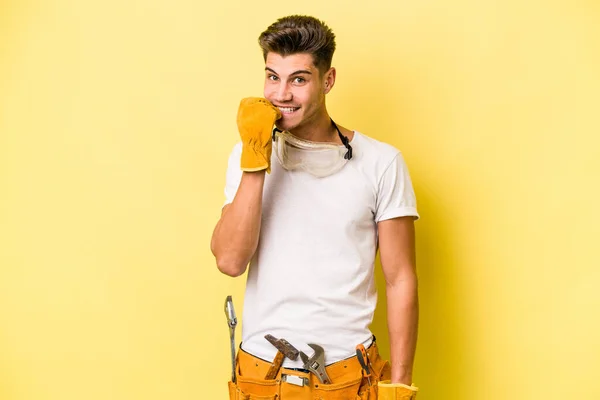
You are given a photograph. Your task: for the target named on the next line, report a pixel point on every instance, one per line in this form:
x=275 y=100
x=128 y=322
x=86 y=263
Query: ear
x=329 y=80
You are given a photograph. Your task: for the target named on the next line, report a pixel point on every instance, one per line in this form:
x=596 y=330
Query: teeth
x=287 y=109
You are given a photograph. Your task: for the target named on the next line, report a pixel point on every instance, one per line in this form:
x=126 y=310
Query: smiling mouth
x=288 y=110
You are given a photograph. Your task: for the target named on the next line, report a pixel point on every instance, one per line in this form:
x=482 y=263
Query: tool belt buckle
x=294 y=380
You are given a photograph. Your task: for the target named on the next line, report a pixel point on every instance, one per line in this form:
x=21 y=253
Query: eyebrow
x=301 y=71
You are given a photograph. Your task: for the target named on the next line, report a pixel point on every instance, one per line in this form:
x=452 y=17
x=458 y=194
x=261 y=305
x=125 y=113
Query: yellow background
x=116 y=120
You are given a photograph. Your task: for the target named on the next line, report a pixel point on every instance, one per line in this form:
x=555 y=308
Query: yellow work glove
x=395 y=391
x=255 y=120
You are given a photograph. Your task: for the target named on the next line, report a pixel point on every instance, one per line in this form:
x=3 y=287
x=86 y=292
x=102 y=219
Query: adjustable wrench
x=316 y=363
x=231 y=322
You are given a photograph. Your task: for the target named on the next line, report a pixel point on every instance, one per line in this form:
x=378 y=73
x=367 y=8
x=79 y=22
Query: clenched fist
x=255 y=120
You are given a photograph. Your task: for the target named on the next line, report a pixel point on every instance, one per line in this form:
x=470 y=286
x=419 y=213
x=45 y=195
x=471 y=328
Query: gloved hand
x=255 y=120
x=395 y=391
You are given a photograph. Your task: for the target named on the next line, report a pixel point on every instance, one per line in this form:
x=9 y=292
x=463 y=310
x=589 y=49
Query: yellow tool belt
x=348 y=380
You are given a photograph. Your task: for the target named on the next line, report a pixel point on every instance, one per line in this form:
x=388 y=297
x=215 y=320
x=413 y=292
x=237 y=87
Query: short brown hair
x=300 y=34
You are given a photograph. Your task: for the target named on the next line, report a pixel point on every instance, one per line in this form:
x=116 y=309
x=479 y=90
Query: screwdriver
x=361 y=354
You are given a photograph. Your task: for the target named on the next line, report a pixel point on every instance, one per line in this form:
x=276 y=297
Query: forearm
x=235 y=237
x=402 y=316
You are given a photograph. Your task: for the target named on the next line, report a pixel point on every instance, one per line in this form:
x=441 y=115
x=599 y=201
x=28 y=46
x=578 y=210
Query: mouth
x=288 y=110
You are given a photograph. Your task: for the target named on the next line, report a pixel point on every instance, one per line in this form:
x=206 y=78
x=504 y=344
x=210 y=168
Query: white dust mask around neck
x=319 y=159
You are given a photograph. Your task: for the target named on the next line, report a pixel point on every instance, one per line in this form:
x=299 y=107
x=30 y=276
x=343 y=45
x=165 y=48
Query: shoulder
x=372 y=159
x=373 y=151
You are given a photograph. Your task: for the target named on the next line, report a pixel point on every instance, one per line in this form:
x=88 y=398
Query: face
x=294 y=85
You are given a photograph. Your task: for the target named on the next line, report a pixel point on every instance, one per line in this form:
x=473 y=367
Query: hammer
x=284 y=349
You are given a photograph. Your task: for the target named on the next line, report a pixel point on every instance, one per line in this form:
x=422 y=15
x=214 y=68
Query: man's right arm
x=235 y=238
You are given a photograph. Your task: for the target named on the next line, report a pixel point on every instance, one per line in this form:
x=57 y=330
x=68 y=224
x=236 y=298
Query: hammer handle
x=274 y=369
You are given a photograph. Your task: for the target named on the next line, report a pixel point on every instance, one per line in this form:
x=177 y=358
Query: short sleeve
x=395 y=194
x=234 y=174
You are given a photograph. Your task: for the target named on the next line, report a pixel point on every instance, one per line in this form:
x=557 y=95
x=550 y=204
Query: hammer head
x=284 y=347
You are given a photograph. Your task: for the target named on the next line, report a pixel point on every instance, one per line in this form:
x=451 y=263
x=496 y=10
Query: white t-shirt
x=311 y=279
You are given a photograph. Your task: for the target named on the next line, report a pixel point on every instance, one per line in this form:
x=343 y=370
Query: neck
x=320 y=129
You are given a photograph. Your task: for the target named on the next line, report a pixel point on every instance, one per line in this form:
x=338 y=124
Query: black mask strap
x=345 y=141
x=275 y=130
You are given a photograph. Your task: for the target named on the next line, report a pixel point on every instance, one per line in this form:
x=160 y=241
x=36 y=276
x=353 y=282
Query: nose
x=283 y=93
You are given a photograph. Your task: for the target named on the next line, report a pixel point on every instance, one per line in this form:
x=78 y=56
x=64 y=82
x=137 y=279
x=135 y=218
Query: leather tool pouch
x=295 y=384
x=381 y=371
x=369 y=392
x=237 y=393
x=253 y=387
x=250 y=383
x=349 y=384
x=337 y=391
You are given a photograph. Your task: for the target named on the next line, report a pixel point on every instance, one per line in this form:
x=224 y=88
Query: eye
x=272 y=77
x=299 y=80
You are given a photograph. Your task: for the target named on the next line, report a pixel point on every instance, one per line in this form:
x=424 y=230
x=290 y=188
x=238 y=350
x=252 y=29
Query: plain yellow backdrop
x=116 y=120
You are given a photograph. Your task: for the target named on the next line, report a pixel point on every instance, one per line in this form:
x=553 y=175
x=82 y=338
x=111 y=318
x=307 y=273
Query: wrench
x=231 y=322
x=316 y=363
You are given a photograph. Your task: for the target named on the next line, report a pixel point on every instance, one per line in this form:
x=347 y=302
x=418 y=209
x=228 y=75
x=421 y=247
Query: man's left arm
x=398 y=261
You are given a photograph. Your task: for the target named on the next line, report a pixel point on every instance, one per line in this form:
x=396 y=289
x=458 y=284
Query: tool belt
x=347 y=380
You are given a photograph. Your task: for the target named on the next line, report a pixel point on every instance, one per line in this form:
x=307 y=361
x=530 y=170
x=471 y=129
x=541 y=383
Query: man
x=307 y=206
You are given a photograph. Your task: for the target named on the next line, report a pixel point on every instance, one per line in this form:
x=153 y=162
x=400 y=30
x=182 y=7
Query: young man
x=307 y=206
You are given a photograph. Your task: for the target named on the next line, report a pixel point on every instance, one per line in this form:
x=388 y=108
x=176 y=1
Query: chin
x=293 y=123
x=287 y=126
